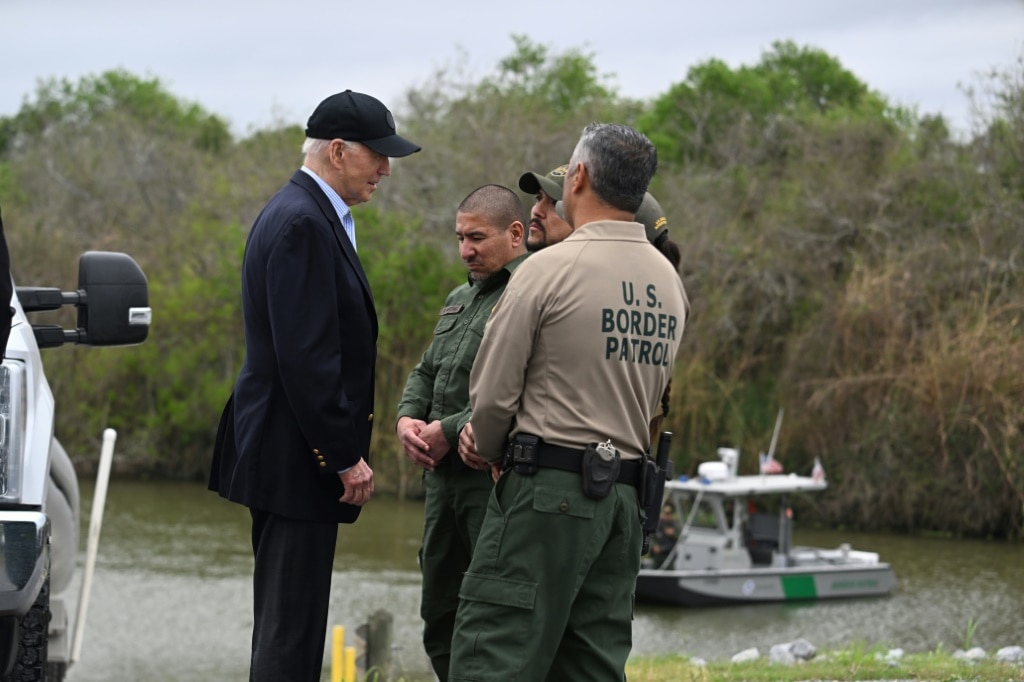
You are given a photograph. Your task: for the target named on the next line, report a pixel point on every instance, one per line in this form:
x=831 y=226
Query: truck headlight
x=12 y=428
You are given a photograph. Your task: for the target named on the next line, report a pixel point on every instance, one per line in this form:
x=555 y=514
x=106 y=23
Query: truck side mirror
x=115 y=310
x=112 y=301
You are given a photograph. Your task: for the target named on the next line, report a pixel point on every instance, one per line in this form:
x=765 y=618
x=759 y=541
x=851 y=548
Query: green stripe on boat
x=799 y=587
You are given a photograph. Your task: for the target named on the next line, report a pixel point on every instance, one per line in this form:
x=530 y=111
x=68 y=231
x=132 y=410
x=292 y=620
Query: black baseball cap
x=356 y=117
x=531 y=183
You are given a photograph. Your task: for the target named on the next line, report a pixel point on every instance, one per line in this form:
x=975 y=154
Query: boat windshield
x=706 y=515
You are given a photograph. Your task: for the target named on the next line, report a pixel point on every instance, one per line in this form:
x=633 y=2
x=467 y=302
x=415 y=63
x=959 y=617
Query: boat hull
x=718 y=587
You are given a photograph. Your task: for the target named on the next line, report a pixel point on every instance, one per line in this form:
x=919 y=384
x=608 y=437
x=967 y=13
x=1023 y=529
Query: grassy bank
x=856 y=663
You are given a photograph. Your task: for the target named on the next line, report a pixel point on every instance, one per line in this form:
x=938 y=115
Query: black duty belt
x=570 y=459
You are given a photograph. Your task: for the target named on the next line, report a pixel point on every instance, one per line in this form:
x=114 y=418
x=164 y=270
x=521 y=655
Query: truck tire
x=30 y=663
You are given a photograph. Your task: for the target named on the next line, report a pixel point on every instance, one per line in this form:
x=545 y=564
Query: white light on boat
x=713 y=471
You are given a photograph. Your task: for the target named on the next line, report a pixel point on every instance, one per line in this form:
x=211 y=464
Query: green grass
x=856 y=663
x=972 y=625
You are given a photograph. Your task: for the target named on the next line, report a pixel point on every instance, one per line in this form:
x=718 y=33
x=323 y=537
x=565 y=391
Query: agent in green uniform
x=577 y=352
x=435 y=407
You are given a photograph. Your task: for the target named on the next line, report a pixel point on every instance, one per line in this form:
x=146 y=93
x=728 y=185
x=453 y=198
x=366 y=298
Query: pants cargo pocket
x=495 y=615
x=555 y=500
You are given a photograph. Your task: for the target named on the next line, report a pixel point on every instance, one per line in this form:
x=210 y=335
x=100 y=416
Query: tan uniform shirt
x=581 y=345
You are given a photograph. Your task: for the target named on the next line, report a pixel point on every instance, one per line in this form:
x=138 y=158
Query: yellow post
x=350 y=664
x=337 y=644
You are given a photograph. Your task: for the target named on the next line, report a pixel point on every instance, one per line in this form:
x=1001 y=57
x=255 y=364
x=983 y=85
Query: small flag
x=769 y=465
x=818 y=472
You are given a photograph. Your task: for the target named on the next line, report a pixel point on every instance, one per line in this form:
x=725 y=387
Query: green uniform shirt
x=438 y=387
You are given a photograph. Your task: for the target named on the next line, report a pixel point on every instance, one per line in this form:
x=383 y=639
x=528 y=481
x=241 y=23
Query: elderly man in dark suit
x=294 y=440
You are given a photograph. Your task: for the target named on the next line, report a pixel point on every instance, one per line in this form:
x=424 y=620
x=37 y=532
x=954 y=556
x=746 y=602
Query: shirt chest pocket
x=475 y=321
x=445 y=324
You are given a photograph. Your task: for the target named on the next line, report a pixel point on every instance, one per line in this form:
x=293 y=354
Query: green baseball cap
x=652 y=215
x=531 y=183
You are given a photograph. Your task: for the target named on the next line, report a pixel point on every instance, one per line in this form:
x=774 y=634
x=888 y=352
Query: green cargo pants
x=549 y=592
x=453 y=513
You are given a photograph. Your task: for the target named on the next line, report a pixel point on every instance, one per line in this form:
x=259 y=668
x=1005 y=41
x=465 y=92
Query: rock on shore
x=791 y=653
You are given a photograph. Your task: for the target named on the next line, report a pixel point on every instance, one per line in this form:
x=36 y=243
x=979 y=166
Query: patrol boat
x=718 y=543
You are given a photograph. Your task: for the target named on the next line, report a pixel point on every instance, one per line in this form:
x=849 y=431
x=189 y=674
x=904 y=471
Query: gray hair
x=315 y=147
x=620 y=163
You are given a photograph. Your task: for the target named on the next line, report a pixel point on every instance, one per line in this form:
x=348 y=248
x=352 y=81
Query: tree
x=561 y=83
x=113 y=159
x=117 y=163
x=525 y=115
x=62 y=106
x=717 y=107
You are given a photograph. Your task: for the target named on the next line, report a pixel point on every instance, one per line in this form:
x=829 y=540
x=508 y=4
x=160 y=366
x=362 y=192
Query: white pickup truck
x=39 y=498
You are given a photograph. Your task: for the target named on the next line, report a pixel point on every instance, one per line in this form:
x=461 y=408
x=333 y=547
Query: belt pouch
x=600 y=468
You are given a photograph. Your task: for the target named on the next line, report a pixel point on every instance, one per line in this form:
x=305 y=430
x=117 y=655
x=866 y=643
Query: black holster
x=599 y=470
x=653 y=474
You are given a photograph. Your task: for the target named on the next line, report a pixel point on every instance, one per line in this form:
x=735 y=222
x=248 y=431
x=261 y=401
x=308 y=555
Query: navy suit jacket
x=302 y=408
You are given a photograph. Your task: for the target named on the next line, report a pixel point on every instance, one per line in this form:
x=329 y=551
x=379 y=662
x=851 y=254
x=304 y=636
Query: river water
x=171 y=597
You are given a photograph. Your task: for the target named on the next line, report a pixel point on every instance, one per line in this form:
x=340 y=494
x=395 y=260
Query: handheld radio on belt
x=653 y=475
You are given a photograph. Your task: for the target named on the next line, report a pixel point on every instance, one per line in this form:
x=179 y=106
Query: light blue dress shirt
x=340 y=207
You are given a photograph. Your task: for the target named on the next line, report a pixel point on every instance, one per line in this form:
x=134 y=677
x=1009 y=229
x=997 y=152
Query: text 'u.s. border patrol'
x=632 y=335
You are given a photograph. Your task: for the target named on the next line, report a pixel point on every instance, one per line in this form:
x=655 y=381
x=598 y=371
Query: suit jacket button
x=315 y=451
x=370 y=418
x=323 y=464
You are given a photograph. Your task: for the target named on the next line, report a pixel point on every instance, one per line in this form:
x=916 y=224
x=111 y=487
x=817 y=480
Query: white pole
x=775 y=434
x=99 y=498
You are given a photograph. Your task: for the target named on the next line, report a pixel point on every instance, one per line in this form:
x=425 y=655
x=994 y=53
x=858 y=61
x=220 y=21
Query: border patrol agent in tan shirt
x=548 y=226
x=577 y=353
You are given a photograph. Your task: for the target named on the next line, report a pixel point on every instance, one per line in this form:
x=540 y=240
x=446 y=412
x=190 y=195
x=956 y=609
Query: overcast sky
x=259 y=61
